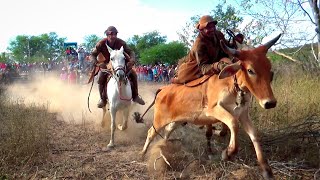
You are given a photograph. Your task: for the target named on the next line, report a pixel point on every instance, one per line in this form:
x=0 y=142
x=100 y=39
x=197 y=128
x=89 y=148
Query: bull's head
x=254 y=73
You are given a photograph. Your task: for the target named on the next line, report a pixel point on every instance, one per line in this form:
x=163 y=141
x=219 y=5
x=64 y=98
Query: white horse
x=118 y=91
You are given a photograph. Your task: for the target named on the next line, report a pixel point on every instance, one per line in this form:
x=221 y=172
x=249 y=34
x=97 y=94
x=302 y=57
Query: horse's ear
x=121 y=49
x=109 y=49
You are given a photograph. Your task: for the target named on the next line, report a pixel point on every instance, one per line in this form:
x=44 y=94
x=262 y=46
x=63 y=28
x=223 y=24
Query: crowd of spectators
x=155 y=73
x=70 y=70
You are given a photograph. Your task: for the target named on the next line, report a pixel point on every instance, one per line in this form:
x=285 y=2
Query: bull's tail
x=136 y=115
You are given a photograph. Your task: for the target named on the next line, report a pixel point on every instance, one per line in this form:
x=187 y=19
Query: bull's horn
x=230 y=51
x=272 y=42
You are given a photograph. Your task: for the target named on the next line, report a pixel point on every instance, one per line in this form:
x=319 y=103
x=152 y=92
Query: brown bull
x=221 y=98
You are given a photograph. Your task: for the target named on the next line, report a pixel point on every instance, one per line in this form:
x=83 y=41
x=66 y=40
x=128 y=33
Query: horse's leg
x=113 y=126
x=103 y=115
x=125 y=120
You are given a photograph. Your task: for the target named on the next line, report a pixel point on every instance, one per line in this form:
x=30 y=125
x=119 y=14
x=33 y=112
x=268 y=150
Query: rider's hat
x=204 y=21
x=110 y=30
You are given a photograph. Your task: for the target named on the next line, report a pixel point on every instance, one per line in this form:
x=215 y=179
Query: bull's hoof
x=142 y=154
x=267 y=175
x=224 y=155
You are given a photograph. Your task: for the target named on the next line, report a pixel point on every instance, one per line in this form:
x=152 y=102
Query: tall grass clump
x=291 y=129
x=296 y=91
x=23 y=137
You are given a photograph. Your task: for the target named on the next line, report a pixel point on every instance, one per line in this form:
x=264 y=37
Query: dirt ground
x=78 y=142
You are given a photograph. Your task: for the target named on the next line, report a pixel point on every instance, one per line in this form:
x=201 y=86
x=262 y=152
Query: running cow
x=220 y=98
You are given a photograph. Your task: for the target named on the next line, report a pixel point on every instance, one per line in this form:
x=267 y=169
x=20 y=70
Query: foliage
x=164 y=53
x=147 y=40
x=90 y=41
x=3 y=57
x=36 y=48
x=227 y=19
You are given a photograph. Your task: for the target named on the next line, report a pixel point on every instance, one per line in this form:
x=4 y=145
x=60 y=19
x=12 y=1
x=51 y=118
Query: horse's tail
x=136 y=115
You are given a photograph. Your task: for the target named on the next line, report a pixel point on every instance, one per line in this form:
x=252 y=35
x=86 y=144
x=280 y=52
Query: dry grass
x=23 y=136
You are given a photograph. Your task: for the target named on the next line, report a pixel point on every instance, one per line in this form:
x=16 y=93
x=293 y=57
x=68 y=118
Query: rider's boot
x=103 y=96
x=134 y=88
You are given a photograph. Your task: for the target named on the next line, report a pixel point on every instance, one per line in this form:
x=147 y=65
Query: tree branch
x=288 y=57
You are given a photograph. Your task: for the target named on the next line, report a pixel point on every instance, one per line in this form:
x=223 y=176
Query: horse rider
x=206 y=57
x=114 y=43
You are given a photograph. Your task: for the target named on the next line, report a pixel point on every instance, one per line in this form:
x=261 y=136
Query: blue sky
x=75 y=19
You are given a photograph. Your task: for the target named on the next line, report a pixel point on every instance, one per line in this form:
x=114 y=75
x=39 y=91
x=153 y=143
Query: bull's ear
x=229 y=70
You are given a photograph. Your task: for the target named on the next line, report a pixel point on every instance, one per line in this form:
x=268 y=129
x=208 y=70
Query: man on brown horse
x=206 y=57
x=114 y=43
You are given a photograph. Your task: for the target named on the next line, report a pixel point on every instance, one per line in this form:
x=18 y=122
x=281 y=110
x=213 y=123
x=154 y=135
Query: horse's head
x=253 y=72
x=118 y=63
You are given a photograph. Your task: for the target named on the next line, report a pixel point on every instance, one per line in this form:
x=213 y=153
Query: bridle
x=113 y=73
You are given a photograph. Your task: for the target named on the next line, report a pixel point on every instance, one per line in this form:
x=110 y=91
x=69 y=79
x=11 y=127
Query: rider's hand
x=94 y=60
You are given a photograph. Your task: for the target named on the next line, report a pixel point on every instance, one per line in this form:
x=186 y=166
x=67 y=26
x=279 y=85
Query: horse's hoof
x=121 y=128
x=106 y=149
x=110 y=146
x=102 y=124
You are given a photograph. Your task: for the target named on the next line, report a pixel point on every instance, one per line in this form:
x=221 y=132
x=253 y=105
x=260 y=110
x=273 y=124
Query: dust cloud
x=70 y=101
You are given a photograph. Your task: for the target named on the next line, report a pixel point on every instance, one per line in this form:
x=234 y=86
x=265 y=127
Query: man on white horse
x=114 y=43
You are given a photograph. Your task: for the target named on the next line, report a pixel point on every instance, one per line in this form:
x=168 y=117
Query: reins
x=88 y=100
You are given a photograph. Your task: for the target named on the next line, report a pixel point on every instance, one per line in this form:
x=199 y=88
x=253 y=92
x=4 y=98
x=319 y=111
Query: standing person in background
x=81 y=56
x=64 y=75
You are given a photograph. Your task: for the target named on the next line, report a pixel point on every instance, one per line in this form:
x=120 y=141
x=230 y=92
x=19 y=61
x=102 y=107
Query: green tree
x=164 y=53
x=36 y=48
x=148 y=40
x=3 y=57
x=228 y=19
x=90 y=41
